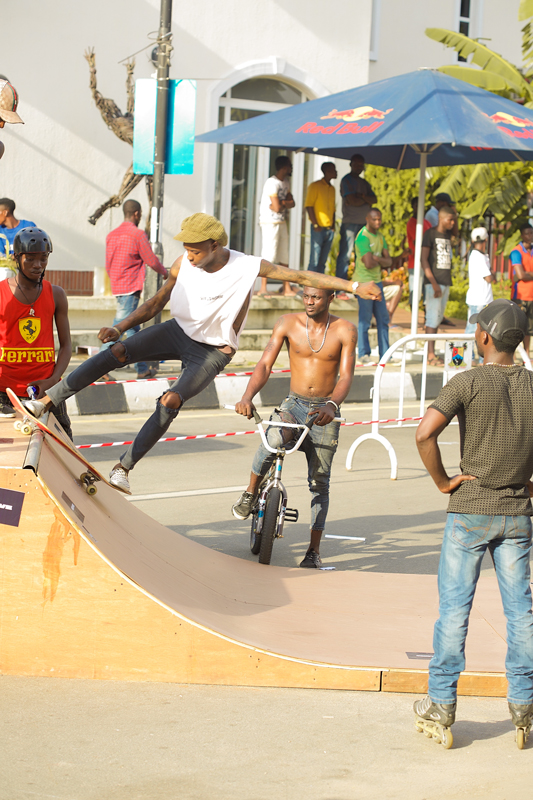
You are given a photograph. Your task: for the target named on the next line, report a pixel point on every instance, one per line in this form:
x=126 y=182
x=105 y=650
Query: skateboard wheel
x=17 y=424
x=25 y=429
x=91 y=489
x=520 y=738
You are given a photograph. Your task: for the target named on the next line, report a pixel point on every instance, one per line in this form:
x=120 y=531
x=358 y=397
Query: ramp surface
x=172 y=605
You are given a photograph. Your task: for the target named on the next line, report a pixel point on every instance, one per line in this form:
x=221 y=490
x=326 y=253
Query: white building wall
x=402 y=46
x=64 y=162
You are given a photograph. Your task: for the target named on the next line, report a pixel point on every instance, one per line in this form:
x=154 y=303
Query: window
x=374 y=30
x=464 y=21
x=241 y=171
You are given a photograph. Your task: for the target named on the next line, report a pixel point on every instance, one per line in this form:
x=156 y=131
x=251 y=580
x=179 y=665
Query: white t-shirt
x=273 y=186
x=206 y=304
x=479 y=291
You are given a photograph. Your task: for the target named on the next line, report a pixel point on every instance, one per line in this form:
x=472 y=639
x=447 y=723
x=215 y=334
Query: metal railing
x=376 y=393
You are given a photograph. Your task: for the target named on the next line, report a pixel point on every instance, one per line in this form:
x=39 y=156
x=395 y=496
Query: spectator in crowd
x=522 y=276
x=432 y=214
x=320 y=207
x=411 y=238
x=437 y=266
x=357 y=199
x=276 y=200
x=9 y=224
x=392 y=294
x=480 y=277
x=127 y=251
x=372 y=256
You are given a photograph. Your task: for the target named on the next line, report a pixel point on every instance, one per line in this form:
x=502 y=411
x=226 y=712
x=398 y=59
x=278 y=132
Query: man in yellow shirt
x=320 y=207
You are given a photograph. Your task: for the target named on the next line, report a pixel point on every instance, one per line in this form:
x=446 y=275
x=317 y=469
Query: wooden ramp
x=91 y=587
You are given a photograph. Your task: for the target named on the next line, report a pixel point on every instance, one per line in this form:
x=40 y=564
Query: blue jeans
x=320 y=246
x=126 y=304
x=471 y=326
x=200 y=363
x=378 y=309
x=466 y=539
x=319 y=446
x=349 y=231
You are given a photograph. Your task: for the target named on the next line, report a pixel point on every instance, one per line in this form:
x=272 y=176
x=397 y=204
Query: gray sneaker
x=7 y=412
x=312 y=560
x=118 y=477
x=35 y=407
x=243 y=507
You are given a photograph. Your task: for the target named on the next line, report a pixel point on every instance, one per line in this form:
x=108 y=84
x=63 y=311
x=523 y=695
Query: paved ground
x=84 y=740
x=96 y=740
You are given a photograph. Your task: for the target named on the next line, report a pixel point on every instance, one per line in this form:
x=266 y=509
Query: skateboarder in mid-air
x=209 y=288
x=322 y=360
x=489 y=509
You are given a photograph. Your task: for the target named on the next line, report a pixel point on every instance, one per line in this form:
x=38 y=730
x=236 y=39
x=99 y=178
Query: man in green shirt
x=372 y=256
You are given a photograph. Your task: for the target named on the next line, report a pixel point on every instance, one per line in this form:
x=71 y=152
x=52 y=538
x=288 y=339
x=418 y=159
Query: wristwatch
x=355 y=284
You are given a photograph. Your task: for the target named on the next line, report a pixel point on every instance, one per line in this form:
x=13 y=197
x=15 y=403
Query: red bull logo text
x=519 y=125
x=350 y=121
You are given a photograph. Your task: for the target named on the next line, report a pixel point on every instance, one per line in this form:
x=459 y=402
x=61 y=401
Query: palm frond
x=490 y=81
x=483 y=56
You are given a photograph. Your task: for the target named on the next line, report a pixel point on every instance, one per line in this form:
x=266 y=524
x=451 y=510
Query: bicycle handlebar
x=261 y=423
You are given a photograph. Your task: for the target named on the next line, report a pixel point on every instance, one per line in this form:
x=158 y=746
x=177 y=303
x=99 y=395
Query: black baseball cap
x=503 y=320
x=443 y=197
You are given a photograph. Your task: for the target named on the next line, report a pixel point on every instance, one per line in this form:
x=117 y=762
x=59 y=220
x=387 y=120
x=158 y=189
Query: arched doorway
x=241 y=170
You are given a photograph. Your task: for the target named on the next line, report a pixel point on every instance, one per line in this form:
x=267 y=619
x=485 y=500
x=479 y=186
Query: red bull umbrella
x=392 y=122
x=421 y=119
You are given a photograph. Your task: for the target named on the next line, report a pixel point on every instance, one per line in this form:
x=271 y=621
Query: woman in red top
x=28 y=307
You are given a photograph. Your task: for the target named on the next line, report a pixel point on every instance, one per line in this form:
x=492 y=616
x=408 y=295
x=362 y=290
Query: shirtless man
x=208 y=304
x=322 y=360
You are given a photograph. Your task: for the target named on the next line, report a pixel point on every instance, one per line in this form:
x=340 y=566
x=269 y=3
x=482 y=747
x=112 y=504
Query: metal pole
x=153 y=279
x=418 y=242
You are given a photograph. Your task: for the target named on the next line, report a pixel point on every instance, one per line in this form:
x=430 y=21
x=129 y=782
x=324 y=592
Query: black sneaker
x=243 y=507
x=312 y=560
x=6 y=412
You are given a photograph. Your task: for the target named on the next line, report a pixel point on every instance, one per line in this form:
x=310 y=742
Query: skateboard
x=90 y=477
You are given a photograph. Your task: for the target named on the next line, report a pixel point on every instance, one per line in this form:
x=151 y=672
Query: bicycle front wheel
x=255 y=538
x=270 y=524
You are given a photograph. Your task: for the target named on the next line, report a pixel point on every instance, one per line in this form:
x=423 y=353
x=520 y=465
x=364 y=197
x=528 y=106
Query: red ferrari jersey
x=26 y=339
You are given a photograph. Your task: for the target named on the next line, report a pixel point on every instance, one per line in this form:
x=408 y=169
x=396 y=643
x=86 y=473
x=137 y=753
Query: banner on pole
x=180 y=127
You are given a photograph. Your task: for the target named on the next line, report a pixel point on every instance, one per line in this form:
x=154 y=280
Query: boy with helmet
x=28 y=307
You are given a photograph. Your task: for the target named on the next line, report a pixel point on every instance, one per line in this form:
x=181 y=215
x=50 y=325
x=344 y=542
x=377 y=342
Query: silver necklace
x=32 y=311
x=495 y=364
x=307 y=334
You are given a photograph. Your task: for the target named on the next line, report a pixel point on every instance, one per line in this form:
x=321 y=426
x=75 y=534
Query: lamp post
x=154 y=280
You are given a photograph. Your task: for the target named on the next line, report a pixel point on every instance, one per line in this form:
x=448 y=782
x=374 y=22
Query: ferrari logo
x=30 y=328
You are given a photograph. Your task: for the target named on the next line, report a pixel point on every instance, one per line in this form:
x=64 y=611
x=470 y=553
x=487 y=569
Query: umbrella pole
x=418 y=243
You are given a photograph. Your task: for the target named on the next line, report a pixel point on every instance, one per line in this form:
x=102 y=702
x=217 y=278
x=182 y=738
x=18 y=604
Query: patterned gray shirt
x=494 y=407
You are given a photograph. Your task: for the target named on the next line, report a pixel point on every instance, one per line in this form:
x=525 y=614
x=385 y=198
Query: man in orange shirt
x=522 y=275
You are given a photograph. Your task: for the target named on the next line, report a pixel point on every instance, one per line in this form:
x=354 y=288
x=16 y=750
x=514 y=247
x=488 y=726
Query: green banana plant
x=498 y=189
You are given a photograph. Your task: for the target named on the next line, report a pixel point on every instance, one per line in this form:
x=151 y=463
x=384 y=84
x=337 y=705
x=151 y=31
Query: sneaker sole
x=238 y=516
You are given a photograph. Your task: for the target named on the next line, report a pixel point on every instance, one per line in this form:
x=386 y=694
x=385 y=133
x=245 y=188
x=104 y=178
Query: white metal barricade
x=403 y=345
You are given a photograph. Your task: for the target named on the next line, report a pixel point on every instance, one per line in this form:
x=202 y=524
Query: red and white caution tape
x=235 y=433
x=175 y=377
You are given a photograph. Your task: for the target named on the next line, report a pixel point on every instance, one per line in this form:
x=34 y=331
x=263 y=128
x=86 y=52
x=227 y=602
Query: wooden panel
x=470 y=683
x=66 y=613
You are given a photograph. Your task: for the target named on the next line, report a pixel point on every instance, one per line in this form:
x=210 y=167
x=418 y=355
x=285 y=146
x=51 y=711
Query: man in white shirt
x=276 y=200
x=480 y=277
x=209 y=289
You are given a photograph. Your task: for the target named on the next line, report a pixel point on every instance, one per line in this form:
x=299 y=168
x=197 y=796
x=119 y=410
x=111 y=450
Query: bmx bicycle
x=270 y=511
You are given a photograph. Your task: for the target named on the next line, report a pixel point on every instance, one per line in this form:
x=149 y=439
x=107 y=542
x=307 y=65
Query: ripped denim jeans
x=319 y=446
